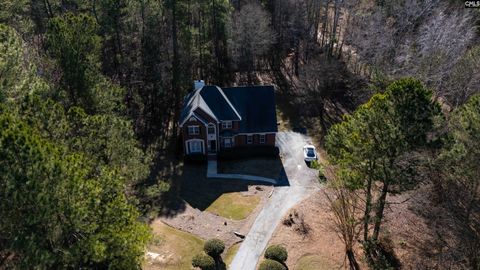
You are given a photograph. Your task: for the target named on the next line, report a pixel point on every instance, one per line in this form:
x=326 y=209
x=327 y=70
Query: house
x=214 y=119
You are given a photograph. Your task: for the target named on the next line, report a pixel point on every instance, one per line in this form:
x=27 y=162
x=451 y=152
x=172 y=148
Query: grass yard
x=230 y=253
x=234 y=205
x=313 y=262
x=175 y=248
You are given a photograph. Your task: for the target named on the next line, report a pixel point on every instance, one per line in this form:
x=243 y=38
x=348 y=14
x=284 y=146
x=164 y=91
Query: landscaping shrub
x=203 y=262
x=248 y=151
x=271 y=265
x=277 y=253
x=214 y=247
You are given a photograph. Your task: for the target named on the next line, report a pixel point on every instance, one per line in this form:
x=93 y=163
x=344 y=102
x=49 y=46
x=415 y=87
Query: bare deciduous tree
x=344 y=206
x=251 y=37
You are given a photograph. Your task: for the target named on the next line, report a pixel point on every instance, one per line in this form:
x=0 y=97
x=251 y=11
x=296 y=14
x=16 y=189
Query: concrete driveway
x=303 y=182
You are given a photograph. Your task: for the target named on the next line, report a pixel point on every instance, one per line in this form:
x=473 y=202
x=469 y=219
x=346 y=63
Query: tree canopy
x=375 y=145
x=65 y=174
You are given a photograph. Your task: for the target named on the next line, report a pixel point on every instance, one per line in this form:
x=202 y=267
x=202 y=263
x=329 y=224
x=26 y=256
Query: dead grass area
x=230 y=253
x=313 y=262
x=264 y=167
x=172 y=249
x=320 y=246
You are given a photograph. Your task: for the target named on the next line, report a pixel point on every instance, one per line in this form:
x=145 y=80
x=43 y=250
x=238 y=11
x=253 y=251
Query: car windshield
x=310 y=152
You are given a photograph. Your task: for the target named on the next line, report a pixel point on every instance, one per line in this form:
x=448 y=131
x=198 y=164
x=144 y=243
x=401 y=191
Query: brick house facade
x=214 y=119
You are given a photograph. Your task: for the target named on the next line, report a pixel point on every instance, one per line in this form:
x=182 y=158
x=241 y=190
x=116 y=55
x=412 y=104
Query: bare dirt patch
x=320 y=240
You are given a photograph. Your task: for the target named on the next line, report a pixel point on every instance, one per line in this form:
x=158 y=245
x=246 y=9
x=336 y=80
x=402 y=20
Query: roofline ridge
x=228 y=101
x=206 y=104
x=195 y=101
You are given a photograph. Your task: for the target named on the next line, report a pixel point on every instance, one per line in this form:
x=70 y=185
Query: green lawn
x=313 y=262
x=234 y=205
x=175 y=247
x=230 y=253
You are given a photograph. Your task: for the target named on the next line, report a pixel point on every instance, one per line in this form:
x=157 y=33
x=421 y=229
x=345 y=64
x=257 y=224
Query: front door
x=212 y=146
x=212 y=138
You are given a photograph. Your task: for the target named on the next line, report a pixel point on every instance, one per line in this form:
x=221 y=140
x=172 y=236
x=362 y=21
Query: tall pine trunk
x=176 y=68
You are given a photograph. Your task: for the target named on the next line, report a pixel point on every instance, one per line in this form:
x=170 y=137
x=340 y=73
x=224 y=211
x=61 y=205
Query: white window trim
x=192 y=129
x=194 y=115
x=211 y=126
x=225 y=142
x=262 y=138
x=249 y=139
x=227 y=124
x=202 y=146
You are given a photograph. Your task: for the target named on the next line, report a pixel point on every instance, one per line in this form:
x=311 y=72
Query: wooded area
x=91 y=91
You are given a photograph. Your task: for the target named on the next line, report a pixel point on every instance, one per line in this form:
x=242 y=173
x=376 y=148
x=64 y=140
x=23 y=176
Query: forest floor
x=415 y=231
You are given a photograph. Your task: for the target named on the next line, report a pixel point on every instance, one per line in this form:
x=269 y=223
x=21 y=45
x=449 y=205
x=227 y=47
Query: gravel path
x=303 y=181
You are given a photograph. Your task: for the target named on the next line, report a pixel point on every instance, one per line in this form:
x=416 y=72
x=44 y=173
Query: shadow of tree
x=220 y=264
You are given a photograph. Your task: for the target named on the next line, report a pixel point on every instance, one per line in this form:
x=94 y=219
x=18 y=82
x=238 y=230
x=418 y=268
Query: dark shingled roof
x=218 y=103
x=256 y=106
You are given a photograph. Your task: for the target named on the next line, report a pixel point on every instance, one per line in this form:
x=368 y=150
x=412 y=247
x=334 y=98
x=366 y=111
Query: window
x=249 y=139
x=211 y=129
x=226 y=124
x=227 y=142
x=193 y=130
x=195 y=146
x=262 y=138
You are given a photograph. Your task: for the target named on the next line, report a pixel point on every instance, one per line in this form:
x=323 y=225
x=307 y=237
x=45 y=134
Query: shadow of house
x=189 y=184
x=194 y=188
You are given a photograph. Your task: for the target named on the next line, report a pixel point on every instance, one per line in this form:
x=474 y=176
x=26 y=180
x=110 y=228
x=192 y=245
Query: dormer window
x=226 y=124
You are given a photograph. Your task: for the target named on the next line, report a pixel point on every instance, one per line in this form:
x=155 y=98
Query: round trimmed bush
x=214 y=247
x=277 y=253
x=271 y=265
x=203 y=261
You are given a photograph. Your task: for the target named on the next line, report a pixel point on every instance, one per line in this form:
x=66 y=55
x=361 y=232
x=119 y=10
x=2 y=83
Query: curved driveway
x=303 y=182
